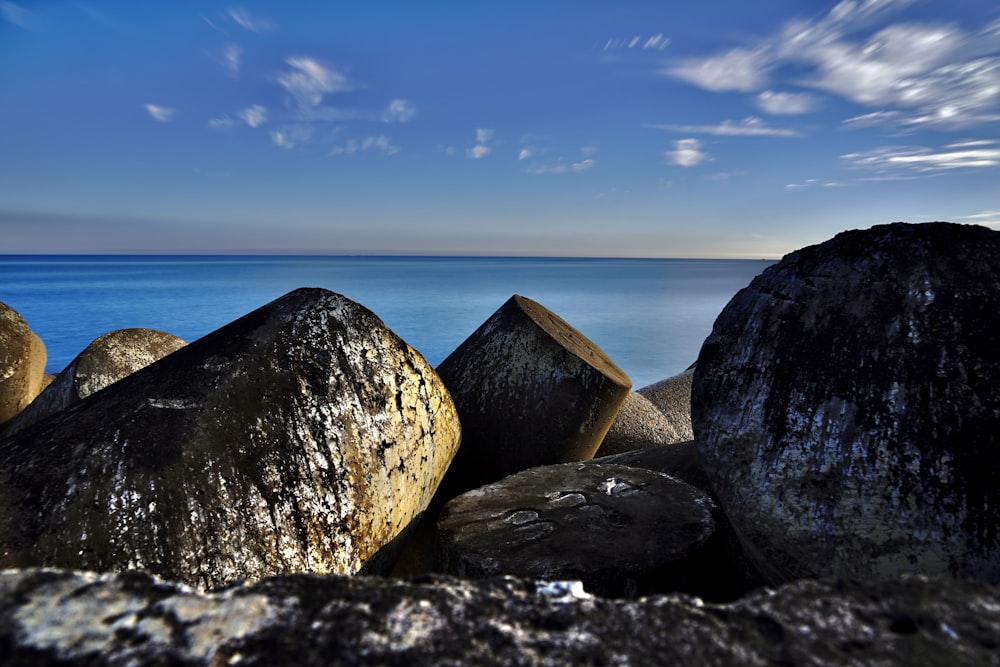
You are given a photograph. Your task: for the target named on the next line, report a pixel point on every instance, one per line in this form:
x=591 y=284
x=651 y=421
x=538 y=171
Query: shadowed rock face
x=53 y=617
x=613 y=527
x=638 y=425
x=530 y=390
x=106 y=360
x=846 y=409
x=304 y=436
x=22 y=364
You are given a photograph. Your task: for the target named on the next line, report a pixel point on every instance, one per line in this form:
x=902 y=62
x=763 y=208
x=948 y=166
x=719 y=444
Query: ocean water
x=649 y=315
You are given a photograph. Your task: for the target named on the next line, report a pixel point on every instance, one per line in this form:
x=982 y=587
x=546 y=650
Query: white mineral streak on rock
x=60 y=617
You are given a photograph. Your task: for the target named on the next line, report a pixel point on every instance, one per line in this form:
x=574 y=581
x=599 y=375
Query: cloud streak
x=912 y=74
x=243 y=19
x=481 y=149
x=687 y=153
x=160 y=113
x=309 y=81
x=379 y=143
x=748 y=127
x=962 y=155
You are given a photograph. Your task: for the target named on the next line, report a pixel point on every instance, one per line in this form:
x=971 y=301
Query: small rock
x=530 y=390
x=619 y=530
x=106 y=360
x=22 y=364
x=673 y=397
x=639 y=424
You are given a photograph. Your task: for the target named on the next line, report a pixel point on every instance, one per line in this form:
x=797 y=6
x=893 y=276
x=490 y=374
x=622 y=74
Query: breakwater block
x=846 y=411
x=22 y=364
x=530 y=390
x=304 y=436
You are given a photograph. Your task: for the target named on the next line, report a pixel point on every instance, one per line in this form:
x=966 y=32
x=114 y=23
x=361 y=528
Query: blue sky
x=718 y=128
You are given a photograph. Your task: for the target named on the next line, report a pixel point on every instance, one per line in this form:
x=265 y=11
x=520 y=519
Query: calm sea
x=649 y=315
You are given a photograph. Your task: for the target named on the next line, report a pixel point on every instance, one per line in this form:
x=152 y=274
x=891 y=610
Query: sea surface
x=649 y=315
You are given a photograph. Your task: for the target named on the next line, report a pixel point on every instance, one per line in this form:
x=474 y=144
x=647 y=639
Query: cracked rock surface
x=50 y=618
x=846 y=411
x=615 y=528
x=304 y=436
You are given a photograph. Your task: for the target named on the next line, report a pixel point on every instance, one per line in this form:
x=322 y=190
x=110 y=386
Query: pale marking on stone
x=521 y=517
x=566 y=499
x=171 y=403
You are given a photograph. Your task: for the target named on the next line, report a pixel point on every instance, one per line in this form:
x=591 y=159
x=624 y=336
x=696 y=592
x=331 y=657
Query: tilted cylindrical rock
x=305 y=436
x=846 y=409
x=530 y=390
x=106 y=360
x=22 y=364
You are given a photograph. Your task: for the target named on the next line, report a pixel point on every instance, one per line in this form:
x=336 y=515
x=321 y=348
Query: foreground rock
x=619 y=530
x=304 y=436
x=530 y=390
x=106 y=360
x=22 y=364
x=673 y=398
x=846 y=408
x=66 y=618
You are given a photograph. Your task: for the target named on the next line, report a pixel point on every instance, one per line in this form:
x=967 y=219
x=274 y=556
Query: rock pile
x=841 y=422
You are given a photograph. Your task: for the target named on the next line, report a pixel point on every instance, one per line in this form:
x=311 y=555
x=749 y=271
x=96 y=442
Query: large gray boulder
x=304 y=436
x=620 y=530
x=106 y=360
x=530 y=390
x=846 y=409
x=67 y=618
x=22 y=364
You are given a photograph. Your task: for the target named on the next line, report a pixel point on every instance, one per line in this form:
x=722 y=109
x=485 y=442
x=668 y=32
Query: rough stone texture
x=22 y=364
x=619 y=530
x=679 y=460
x=639 y=424
x=846 y=408
x=106 y=360
x=673 y=397
x=64 y=618
x=304 y=436
x=530 y=390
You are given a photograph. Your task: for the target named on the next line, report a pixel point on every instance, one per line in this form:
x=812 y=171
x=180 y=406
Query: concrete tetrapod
x=530 y=390
x=303 y=437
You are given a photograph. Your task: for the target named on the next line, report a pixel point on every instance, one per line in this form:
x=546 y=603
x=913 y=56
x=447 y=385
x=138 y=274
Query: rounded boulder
x=845 y=407
x=22 y=364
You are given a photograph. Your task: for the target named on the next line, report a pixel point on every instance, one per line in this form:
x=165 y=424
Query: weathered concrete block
x=22 y=364
x=106 y=360
x=530 y=390
x=846 y=408
x=639 y=424
x=673 y=398
x=305 y=436
x=619 y=530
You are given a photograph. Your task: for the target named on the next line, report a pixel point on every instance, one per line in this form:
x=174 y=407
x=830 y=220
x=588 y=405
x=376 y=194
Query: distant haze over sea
x=650 y=315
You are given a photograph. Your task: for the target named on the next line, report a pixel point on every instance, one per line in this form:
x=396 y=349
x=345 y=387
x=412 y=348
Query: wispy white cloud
x=252 y=23
x=789 y=104
x=525 y=153
x=223 y=122
x=927 y=74
x=290 y=136
x=748 y=127
x=160 y=113
x=308 y=81
x=687 y=153
x=17 y=14
x=231 y=59
x=378 y=143
x=483 y=137
x=657 y=42
x=815 y=183
x=963 y=155
x=562 y=167
x=986 y=218
x=398 y=111
x=743 y=70
x=254 y=116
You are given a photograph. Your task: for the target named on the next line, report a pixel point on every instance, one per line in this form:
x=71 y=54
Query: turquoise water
x=649 y=315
